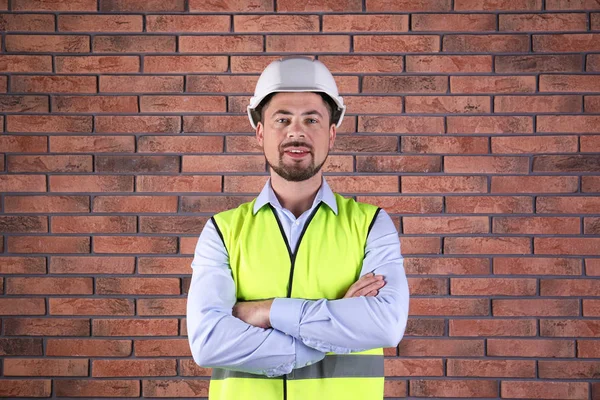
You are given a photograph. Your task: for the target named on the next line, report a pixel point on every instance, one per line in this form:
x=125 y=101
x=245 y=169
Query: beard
x=296 y=172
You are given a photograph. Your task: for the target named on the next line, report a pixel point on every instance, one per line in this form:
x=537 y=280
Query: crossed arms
x=295 y=332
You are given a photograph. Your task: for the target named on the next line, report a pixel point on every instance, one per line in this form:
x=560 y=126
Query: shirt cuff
x=285 y=315
x=306 y=356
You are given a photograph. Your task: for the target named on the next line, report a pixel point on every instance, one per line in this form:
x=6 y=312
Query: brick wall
x=475 y=124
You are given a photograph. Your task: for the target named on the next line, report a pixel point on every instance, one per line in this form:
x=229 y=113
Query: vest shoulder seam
x=373 y=221
x=219 y=233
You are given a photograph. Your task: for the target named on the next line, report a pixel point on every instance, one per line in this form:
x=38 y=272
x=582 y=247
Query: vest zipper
x=292 y=261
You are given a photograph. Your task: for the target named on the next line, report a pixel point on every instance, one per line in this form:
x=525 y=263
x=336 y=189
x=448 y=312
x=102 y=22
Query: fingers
x=373 y=287
x=363 y=282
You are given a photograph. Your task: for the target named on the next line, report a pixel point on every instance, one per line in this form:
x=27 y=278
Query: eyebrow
x=285 y=112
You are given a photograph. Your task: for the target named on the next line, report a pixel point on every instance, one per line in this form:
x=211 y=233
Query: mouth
x=297 y=152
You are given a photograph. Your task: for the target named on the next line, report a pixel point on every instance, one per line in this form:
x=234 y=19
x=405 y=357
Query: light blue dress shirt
x=302 y=330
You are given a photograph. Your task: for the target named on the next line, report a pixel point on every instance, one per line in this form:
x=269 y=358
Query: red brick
x=135 y=327
x=530 y=348
x=542 y=22
x=587 y=349
x=142 y=44
x=95 y=104
x=163 y=307
x=46 y=204
x=447 y=104
x=70 y=163
x=488 y=204
x=135 y=244
x=592 y=104
x=404 y=84
x=535 y=144
x=229 y=124
x=363 y=184
x=223 y=164
x=93 y=224
x=492 y=84
x=221 y=83
x=590 y=143
x=220 y=44
x=23 y=144
x=493 y=287
x=88 y=348
x=406 y=5
x=88 y=183
x=22 y=224
x=27 y=22
x=405 y=204
x=546 y=390
x=142 y=5
x=538 y=104
x=180 y=144
x=497 y=5
x=569 y=287
x=25 y=63
x=489 y=124
x=453 y=22
x=213 y=204
x=492 y=327
x=46 y=327
x=137 y=164
x=408 y=367
x=188 y=183
x=53 y=84
x=26 y=388
x=190 y=368
x=444 y=145
x=164 y=265
x=100 y=23
x=403 y=124
x=398 y=164
x=49 y=286
x=92 y=144
x=568 y=369
x=440 y=348
x=48 y=244
x=184 y=64
x=446 y=306
x=536 y=225
x=92 y=265
x=592 y=267
x=566 y=163
x=396 y=43
x=276 y=23
x=236 y=6
x=97 y=64
x=141 y=84
x=49 y=43
x=175 y=388
x=535 y=307
x=308 y=43
x=538 y=63
x=48 y=123
x=570 y=83
x=135 y=204
x=188 y=23
x=137 y=286
x=453 y=388
x=572 y=5
x=138 y=124
x=448 y=64
x=447 y=266
x=22 y=265
x=42 y=5
x=92 y=307
x=570 y=246
x=595 y=17
x=534 y=184
x=591 y=226
x=187 y=245
x=322 y=6
x=20 y=347
x=491 y=368
x=22 y=183
x=182 y=104
x=537 y=266
x=41 y=367
x=250 y=64
x=360 y=64
x=487 y=245
x=569 y=328
x=162 y=347
x=590 y=184
x=445 y=225
x=442 y=184
x=424 y=327
x=121 y=368
x=566 y=42
x=570 y=205
x=365 y=23
x=94 y=388
x=568 y=123
x=428 y=286
x=23 y=306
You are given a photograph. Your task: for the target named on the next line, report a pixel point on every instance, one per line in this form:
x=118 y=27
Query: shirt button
x=297 y=222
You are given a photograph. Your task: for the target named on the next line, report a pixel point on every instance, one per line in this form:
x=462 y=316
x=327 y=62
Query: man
x=294 y=295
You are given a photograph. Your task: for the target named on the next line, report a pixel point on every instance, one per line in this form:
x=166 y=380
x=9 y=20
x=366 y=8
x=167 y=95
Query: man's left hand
x=255 y=313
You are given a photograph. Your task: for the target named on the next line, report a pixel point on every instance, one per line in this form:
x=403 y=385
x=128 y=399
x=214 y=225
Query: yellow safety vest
x=326 y=262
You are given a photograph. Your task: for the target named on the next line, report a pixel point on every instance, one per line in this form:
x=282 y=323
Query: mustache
x=295 y=143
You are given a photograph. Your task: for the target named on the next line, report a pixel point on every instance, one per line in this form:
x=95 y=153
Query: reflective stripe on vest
x=327 y=260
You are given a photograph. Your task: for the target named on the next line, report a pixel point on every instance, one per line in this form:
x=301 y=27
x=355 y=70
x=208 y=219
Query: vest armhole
x=219 y=232
x=373 y=221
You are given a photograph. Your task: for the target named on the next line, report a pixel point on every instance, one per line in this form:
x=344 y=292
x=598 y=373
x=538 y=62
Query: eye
x=281 y=120
x=312 y=121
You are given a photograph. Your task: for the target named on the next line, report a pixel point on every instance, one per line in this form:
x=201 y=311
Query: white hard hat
x=297 y=74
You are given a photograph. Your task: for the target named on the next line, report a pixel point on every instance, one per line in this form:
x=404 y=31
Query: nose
x=295 y=130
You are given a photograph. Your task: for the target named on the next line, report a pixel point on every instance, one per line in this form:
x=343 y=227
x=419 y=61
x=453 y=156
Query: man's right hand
x=368 y=285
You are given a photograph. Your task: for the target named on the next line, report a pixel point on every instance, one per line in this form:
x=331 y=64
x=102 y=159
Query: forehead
x=297 y=101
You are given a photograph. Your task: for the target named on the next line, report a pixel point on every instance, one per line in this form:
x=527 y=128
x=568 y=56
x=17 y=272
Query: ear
x=332 y=134
x=260 y=130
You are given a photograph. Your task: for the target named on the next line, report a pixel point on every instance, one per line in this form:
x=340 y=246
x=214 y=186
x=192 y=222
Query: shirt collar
x=267 y=195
